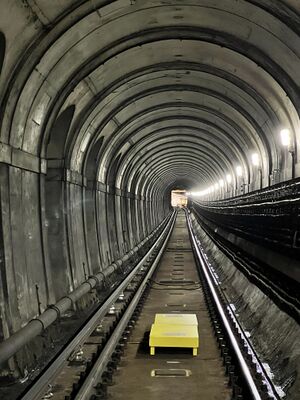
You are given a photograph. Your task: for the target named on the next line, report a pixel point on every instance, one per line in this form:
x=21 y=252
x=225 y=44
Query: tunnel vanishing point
x=109 y=106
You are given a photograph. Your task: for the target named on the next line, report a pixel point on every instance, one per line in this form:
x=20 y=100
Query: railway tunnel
x=110 y=107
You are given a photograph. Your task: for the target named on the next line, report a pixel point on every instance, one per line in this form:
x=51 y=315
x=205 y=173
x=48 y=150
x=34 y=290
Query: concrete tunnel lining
x=217 y=125
x=174 y=139
x=251 y=146
x=107 y=106
x=262 y=150
x=187 y=134
x=260 y=103
x=168 y=152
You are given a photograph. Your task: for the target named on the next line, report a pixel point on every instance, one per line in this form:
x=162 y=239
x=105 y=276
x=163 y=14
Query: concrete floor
x=207 y=381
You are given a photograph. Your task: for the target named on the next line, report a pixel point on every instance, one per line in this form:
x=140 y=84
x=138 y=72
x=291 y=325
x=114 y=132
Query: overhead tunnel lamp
x=239 y=170
x=287 y=142
x=255 y=159
x=256 y=163
x=285 y=137
x=228 y=178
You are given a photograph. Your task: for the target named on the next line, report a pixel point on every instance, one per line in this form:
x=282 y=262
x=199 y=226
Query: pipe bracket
x=38 y=320
x=95 y=278
x=55 y=308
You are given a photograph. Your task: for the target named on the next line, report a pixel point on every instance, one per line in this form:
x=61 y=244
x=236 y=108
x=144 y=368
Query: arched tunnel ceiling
x=162 y=93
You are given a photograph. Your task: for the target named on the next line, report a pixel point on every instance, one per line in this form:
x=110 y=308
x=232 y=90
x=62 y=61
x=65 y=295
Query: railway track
x=109 y=356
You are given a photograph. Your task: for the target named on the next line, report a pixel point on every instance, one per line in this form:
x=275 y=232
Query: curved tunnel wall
x=107 y=106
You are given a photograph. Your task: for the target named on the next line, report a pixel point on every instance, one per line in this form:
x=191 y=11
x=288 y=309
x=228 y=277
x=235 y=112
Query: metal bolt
x=99 y=328
x=49 y=393
x=79 y=354
x=112 y=310
x=121 y=296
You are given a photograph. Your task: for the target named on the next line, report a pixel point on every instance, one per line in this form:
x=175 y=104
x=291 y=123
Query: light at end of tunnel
x=178 y=198
x=285 y=137
x=216 y=186
x=221 y=182
x=239 y=170
x=229 y=178
x=255 y=159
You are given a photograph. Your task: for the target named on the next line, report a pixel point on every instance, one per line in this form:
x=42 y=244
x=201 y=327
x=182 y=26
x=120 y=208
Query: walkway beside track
x=176 y=292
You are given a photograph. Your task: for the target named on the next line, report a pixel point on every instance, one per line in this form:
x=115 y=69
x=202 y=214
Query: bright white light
x=216 y=186
x=221 y=182
x=199 y=194
x=255 y=159
x=285 y=137
x=229 y=178
x=239 y=170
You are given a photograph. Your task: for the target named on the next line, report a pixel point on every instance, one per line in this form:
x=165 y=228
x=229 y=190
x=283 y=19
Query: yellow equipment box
x=172 y=335
x=177 y=319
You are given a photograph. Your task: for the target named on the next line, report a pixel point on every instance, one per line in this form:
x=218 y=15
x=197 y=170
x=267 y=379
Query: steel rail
x=38 y=387
x=241 y=360
x=250 y=348
x=100 y=365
